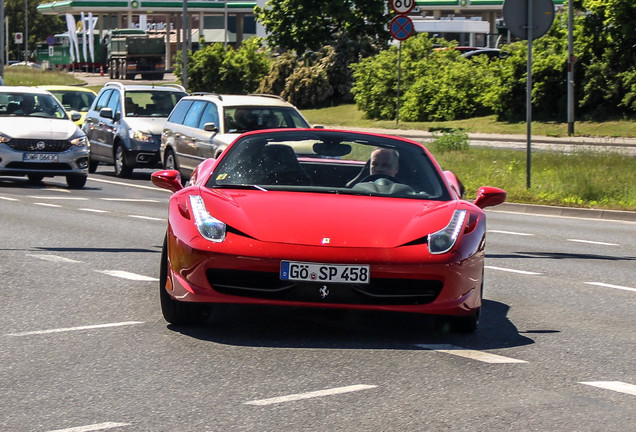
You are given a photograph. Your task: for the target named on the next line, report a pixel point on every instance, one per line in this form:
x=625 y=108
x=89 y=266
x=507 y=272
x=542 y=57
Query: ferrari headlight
x=140 y=136
x=209 y=227
x=443 y=240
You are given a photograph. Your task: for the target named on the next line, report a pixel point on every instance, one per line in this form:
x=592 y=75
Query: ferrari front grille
x=267 y=285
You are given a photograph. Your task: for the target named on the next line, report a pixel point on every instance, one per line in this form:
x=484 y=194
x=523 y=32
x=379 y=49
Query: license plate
x=315 y=272
x=39 y=157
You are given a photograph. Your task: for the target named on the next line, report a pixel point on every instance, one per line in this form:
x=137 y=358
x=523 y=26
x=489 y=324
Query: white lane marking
x=145 y=217
x=94 y=210
x=58 y=198
x=512 y=270
x=8 y=199
x=54 y=258
x=593 y=242
x=93 y=427
x=510 y=232
x=309 y=395
x=601 y=284
x=130 y=200
x=471 y=354
x=47 y=204
x=127 y=275
x=54 y=189
x=613 y=385
x=154 y=188
x=68 y=329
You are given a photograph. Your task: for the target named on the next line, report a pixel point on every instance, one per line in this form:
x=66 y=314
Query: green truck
x=134 y=51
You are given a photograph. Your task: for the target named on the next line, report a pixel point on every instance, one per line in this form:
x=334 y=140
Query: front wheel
x=175 y=312
x=35 y=178
x=170 y=161
x=122 y=169
x=76 y=181
x=92 y=165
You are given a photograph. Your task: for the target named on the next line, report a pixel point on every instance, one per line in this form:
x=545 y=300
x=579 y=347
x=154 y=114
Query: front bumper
x=73 y=161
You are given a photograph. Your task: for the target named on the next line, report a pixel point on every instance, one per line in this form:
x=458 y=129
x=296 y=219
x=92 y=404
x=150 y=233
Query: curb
x=614 y=215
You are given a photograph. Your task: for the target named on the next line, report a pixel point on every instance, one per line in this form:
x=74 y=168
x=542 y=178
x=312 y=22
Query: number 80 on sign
x=402 y=7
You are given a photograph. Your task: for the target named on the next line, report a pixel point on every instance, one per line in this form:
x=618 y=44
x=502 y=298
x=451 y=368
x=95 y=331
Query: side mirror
x=210 y=127
x=488 y=196
x=106 y=112
x=75 y=116
x=167 y=179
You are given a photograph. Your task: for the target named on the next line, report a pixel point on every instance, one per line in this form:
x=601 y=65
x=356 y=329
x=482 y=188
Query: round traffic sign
x=401 y=27
x=515 y=14
x=402 y=6
x=50 y=40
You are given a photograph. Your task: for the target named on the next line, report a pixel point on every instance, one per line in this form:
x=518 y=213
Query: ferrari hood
x=37 y=128
x=327 y=219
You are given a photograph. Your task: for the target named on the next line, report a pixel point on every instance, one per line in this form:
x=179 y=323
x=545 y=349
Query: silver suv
x=202 y=125
x=38 y=139
x=124 y=125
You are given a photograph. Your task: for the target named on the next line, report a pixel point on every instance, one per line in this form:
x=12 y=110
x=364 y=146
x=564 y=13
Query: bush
x=218 y=69
x=453 y=140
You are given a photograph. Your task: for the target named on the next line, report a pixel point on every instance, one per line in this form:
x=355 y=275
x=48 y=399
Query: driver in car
x=384 y=161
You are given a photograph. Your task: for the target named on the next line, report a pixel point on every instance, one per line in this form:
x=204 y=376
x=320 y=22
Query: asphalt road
x=84 y=345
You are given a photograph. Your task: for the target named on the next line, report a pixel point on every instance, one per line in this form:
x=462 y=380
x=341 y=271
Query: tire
x=92 y=166
x=122 y=169
x=76 y=181
x=175 y=312
x=35 y=178
x=111 y=69
x=116 y=68
x=170 y=161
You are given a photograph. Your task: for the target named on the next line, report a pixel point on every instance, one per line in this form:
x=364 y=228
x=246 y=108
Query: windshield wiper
x=239 y=186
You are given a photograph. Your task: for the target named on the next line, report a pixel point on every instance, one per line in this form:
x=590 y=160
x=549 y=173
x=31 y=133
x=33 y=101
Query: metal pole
x=26 y=30
x=184 y=45
x=397 y=110
x=2 y=59
x=570 y=68
x=529 y=97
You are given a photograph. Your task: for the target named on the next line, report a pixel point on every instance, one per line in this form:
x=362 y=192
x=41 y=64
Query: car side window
x=210 y=115
x=102 y=101
x=193 y=116
x=180 y=111
x=113 y=103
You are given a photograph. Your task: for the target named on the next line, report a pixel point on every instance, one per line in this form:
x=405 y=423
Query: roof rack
x=177 y=86
x=266 y=95
x=207 y=94
x=114 y=84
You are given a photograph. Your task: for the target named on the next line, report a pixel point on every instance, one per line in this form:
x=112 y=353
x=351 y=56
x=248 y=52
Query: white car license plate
x=39 y=157
x=315 y=272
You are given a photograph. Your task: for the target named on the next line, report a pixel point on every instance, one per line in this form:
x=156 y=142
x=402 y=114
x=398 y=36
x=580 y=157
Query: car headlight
x=80 y=141
x=209 y=227
x=140 y=136
x=4 y=139
x=443 y=240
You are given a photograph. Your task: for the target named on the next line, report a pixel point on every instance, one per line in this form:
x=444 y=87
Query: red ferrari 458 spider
x=324 y=218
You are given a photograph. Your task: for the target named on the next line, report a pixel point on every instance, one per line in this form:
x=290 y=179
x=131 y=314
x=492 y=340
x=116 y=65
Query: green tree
x=302 y=25
x=40 y=26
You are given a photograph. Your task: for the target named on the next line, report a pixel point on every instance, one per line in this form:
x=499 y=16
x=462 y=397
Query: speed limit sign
x=402 y=7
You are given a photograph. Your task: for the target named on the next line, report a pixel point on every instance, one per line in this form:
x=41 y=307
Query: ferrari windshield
x=329 y=162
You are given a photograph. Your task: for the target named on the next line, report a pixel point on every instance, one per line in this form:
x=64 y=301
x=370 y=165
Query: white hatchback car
x=38 y=139
x=202 y=125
